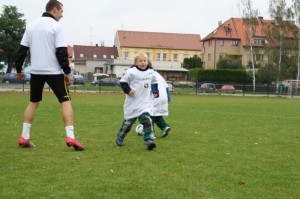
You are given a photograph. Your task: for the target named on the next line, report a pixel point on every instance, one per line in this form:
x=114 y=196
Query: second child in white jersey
x=136 y=83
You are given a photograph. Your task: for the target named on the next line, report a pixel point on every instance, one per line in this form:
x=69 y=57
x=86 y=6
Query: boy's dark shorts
x=56 y=82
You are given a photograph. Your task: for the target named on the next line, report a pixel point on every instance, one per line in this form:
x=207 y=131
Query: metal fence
x=240 y=89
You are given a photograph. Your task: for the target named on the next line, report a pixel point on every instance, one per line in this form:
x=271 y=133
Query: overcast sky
x=91 y=22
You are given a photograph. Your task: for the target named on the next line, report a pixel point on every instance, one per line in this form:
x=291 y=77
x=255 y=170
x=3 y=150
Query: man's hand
x=69 y=79
x=20 y=76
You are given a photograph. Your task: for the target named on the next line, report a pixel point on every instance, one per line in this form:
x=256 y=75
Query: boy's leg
x=146 y=121
x=152 y=135
x=125 y=128
x=162 y=124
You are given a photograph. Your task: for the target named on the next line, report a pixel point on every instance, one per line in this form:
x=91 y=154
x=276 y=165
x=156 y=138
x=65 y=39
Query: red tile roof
x=70 y=51
x=136 y=39
x=88 y=52
x=239 y=31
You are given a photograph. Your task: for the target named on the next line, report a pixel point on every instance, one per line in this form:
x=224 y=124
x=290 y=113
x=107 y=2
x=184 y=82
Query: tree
x=267 y=74
x=250 y=18
x=12 y=28
x=192 y=62
x=296 y=9
x=280 y=13
x=229 y=64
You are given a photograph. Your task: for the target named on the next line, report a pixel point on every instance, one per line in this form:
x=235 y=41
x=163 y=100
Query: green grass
x=219 y=147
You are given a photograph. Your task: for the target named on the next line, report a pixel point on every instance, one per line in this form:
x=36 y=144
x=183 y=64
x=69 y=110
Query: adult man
x=49 y=64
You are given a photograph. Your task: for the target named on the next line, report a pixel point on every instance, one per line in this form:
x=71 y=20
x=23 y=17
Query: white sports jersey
x=42 y=37
x=142 y=101
x=160 y=104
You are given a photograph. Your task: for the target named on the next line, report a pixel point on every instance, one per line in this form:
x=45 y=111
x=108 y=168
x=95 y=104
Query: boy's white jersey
x=160 y=105
x=142 y=101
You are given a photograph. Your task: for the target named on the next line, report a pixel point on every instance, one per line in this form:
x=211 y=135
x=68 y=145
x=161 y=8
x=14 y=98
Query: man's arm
x=21 y=56
x=63 y=59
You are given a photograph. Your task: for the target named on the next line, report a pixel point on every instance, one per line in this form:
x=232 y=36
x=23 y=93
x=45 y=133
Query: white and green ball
x=139 y=129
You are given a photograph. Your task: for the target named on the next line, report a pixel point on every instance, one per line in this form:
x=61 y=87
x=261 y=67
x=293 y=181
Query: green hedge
x=219 y=75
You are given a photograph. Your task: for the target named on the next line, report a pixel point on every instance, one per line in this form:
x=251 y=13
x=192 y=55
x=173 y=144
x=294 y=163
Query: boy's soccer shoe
x=74 y=143
x=119 y=141
x=150 y=144
x=165 y=132
x=25 y=143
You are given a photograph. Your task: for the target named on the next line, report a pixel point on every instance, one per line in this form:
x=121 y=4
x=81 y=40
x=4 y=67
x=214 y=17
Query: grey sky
x=93 y=21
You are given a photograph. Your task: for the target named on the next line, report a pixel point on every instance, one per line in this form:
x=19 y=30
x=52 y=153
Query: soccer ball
x=139 y=129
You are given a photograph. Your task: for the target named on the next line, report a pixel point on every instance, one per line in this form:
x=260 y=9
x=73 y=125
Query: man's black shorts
x=56 y=82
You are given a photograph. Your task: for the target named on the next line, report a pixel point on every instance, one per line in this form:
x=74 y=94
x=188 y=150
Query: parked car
x=227 y=89
x=11 y=78
x=107 y=82
x=184 y=84
x=207 y=88
x=78 y=79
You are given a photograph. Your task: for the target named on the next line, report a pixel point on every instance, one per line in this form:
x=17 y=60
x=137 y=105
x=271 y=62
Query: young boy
x=161 y=106
x=136 y=83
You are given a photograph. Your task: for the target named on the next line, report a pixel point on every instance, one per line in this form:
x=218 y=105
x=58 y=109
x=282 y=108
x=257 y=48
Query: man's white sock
x=70 y=131
x=26 y=131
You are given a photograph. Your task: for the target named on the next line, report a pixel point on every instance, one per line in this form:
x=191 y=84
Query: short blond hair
x=139 y=55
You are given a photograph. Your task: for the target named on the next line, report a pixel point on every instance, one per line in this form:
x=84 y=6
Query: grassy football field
x=220 y=147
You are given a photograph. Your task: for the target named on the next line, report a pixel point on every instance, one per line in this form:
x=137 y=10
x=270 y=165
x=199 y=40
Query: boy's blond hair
x=144 y=55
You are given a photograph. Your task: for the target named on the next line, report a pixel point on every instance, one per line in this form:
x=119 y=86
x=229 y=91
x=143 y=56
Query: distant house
x=231 y=40
x=165 y=50
x=171 y=71
x=92 y=59
x=158 y=46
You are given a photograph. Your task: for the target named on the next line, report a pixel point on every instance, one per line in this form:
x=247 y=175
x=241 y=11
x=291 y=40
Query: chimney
x=219 y=23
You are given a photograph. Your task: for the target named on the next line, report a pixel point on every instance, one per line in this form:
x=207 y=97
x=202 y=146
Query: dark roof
x=88 y=52
x=159 y=40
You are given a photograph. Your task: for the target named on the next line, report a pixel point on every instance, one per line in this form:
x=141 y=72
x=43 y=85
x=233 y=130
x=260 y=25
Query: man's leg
x=24 y=140
x=58 y=84
x=67 y=114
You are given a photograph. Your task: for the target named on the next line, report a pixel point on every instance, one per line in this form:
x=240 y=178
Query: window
x=209 y=57
x=234 y=43
x=259 y=57
x=259 y=41
x=164 y=56
x=81 y=55
x=112 y=56
x=186 y=56
x=175 y=57
x=94 y=56
x=104 y=56
x=222 y=42
x=148 y=55
x=221 y=56
x=126 y=54
x=158 y=57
